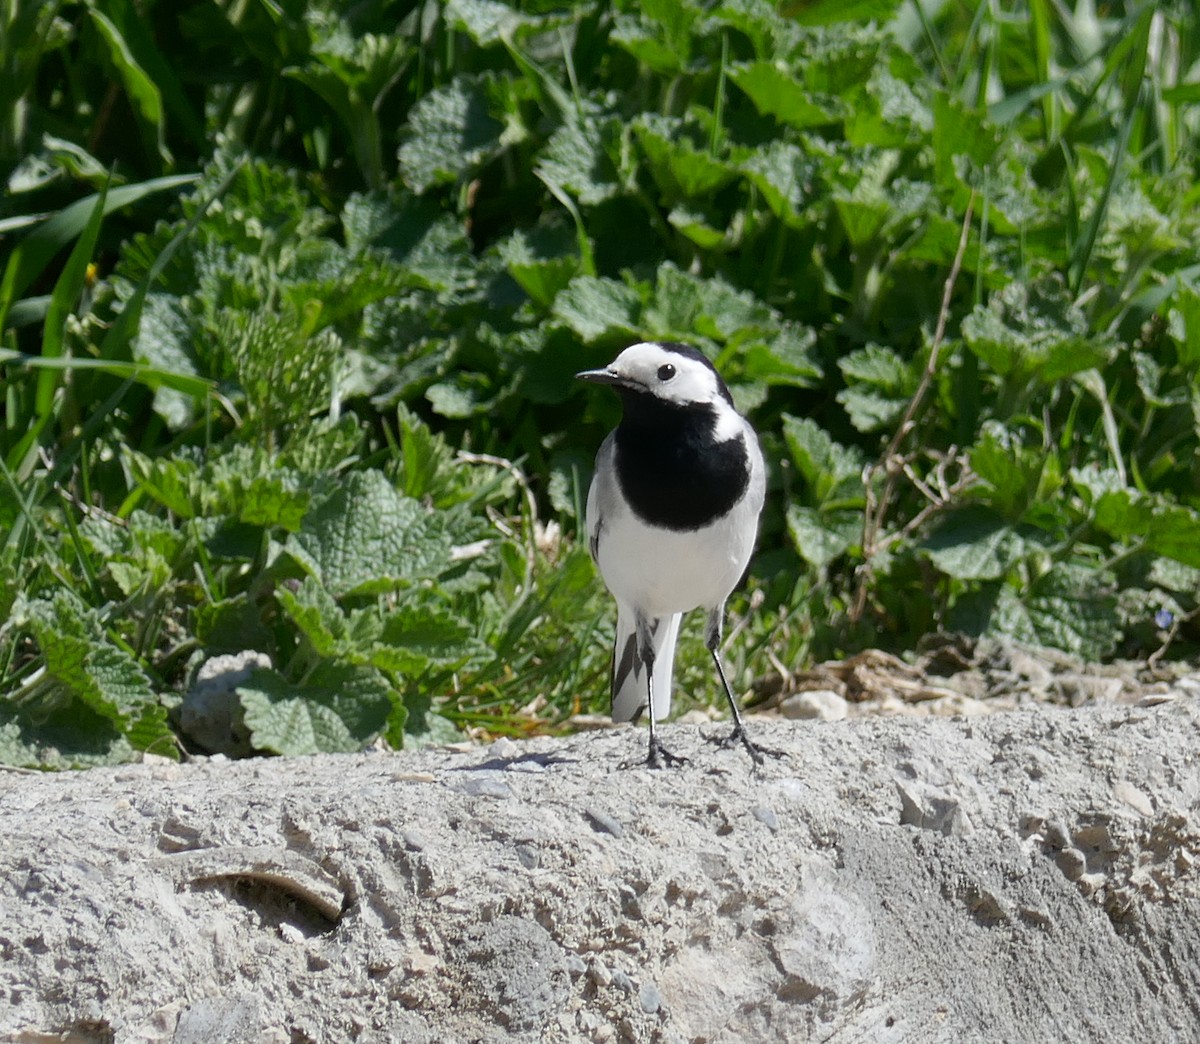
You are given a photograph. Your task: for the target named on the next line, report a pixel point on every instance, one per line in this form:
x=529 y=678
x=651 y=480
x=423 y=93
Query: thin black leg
x=658 y=756
x=738 y=735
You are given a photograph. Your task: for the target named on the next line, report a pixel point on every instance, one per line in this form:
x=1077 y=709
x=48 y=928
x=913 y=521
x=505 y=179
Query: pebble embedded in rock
x=819 y=704
x=650 y=998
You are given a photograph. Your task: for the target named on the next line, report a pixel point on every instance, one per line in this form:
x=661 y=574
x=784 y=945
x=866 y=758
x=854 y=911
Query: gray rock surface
x=1022 y=876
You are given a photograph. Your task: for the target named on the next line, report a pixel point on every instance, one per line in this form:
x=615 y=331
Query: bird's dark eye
x=666 y=371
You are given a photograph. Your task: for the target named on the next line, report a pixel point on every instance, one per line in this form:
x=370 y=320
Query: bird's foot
x=756 y=752
x=660 y=757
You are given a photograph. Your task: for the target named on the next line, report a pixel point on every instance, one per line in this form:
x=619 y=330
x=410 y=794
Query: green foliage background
x=293 y=293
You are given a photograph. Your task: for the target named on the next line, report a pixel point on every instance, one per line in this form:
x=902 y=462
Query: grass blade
x=38 y=248
x=62 y=303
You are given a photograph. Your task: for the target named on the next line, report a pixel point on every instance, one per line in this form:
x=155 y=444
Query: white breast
x=664 y=571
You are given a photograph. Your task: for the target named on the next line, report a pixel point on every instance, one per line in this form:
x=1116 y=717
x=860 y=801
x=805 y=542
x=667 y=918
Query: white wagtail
x=672 y=516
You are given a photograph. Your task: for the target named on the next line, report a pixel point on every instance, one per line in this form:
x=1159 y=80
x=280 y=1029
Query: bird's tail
x=629 y=672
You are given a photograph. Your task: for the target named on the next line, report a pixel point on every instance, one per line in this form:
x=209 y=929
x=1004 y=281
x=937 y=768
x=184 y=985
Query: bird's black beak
x=605 y=376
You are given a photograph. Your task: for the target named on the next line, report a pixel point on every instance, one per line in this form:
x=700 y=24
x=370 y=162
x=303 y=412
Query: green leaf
x=61 y=738
x=1166 y=528
x=784 y=175
x=832 y=471
x=450 y=134
x=1072 y=607
x=315 y=611
x=366 y=538
x=679 y=158
x=1016 y=476
x=776 y=91
x=486 y=21
x=684 y=306
x=578 y=156
x=82 y=666
x=542 y=261
x=823 y=536
x=141 y=90
x=646 y=43
x=465 y=394
x=973 y=543
x=164 y=340
x=830 y=12
x=336 y=709
x=1035 y=331
x=598 y=309
x=417 y=636
x=788 y=359
x=880 y=385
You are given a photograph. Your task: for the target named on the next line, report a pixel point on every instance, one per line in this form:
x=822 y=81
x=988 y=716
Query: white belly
x=663 y=571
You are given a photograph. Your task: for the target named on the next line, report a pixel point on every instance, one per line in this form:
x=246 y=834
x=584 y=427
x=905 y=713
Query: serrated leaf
x=598 y=308
x=973 y=543
x=64 y=738
x=833 y=471
x=83 y=667
x=880 y=385
x=681 y=166
x=543 y=261
x=578 y=156
x=786 y=359
x=450 y=133
x=1016 y=475
x=336 y=709
x=233 y=625
x=315 y=612
x=821 y=537
x=645 y=42
x=695 y=224
x=879 y=366
x=776 y=91
x=870 y=410
x=784 y=175
x=1073 y=607
x=465 y=394
x=1166 y=528
x=485 y=21
x=163 y=339
x=419 y=636
x=1035 y=331
x=366 y=538
x=684 y=306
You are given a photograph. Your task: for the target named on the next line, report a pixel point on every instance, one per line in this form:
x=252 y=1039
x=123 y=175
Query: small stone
x=529 y=856
x=650 y=998
x=211 y=712
x=1128 y=794
x=1072 y=863
x=600 y=974
x=766 y=816
x=923 y=806
x=290 y=933
x=481 y=785
x=819 y=704
x=575 y=965
x=603 y=823
x=622 y=981
x=504 y=748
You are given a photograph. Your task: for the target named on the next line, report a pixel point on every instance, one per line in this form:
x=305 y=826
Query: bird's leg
x=659 y=756
x=712 y=638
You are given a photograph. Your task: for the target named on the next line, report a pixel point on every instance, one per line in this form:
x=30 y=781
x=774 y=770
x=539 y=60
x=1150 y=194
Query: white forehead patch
x=667 y=374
